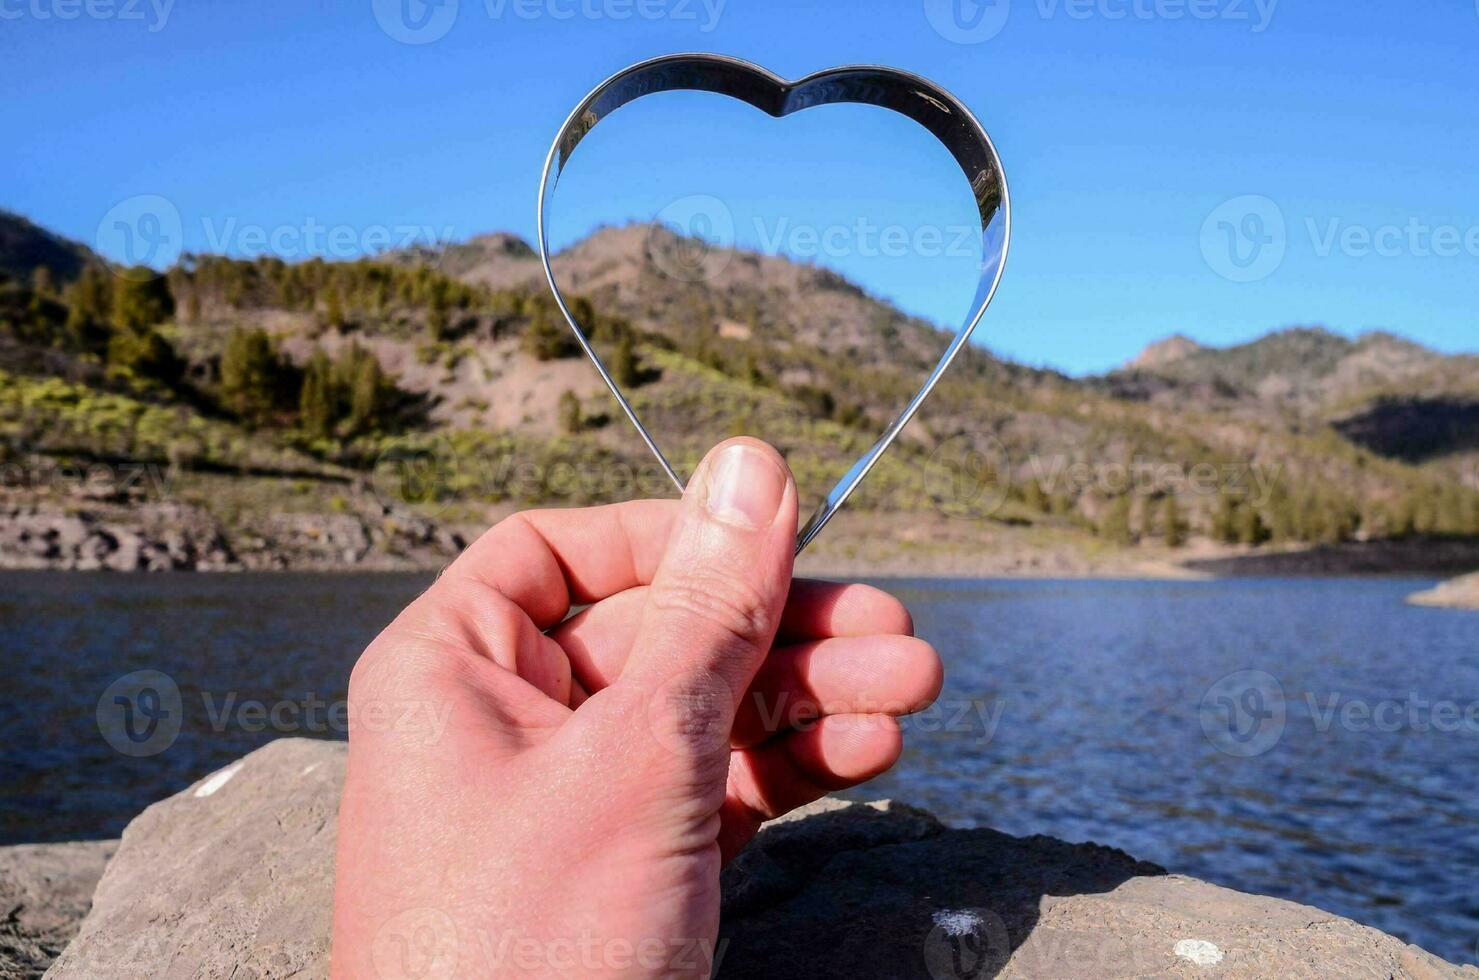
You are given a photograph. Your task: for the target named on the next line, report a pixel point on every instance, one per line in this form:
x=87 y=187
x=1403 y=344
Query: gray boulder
x=230 y=877
x=1458 y=593
x=234 y=878
x=45 y=890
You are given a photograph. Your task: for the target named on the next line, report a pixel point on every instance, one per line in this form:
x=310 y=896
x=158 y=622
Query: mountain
x=1310 y=368
x=1382 y=392
x=24 y=246
x=500 y=260
x=269 y=388
x=1164 y=352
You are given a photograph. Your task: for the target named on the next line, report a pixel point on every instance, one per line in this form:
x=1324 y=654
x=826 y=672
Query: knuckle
x=729 y=605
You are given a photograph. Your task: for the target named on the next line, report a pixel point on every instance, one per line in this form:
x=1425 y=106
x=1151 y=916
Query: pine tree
x=1115 y=526
x=316 y=400
x=90 y=308
x=546 y=339
x=333 y=315
x=367 y=394
x=1402 y=519
x=624 y=362
x=42 y=281
x=1249 y=525
x=570 y=417
x=1283 y=519
x=251 y=376
x=142 y=300
x=1224 y=526
x=1173 y=525
x=1033 y=497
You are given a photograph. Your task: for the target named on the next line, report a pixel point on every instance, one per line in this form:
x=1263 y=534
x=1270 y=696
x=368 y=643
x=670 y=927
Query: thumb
x=716 y=598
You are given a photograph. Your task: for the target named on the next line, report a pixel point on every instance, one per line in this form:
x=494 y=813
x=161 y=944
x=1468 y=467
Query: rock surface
x=45 y=890
x=234 y=877
x=106 y=535
x=1460 y=593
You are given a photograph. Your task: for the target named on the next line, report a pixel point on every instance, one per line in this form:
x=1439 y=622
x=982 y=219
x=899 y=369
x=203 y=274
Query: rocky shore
x=173 y=536
x=233 y=877
x=82 y=533
x=1460 y=593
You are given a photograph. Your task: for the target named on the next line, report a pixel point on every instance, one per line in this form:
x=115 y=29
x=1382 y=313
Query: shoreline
x=173 y=536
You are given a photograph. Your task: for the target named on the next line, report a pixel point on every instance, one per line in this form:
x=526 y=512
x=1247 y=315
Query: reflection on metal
x=921 y=100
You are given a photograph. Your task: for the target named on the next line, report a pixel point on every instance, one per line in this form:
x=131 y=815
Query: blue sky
x=1154 y=147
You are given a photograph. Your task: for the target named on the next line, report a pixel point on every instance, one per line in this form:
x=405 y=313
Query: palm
x=589 y=782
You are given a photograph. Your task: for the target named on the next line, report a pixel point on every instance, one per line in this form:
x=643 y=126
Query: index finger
x=545 y=561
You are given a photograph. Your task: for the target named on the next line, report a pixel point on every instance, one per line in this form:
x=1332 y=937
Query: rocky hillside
x=25 y=247
x=321 y=414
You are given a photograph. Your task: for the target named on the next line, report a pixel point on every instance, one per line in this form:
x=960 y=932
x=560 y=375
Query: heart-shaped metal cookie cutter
x=921 y=100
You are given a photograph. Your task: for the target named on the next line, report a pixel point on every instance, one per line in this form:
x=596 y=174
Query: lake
x=1312 y=739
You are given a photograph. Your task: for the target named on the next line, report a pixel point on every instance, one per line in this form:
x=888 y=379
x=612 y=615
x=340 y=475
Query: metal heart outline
x=945 y=116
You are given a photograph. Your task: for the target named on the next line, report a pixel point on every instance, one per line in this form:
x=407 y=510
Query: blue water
x=1312 y=739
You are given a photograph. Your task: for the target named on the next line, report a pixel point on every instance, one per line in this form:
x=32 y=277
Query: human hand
x=590 y=775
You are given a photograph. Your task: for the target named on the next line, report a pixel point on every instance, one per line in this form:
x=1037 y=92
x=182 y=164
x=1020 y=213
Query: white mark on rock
x=308 y=769
x=1199 y=951
x=220 y=779
x=957 y=922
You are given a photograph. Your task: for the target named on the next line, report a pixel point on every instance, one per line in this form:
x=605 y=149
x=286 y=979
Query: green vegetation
x=571 y=420
x=229 y=364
